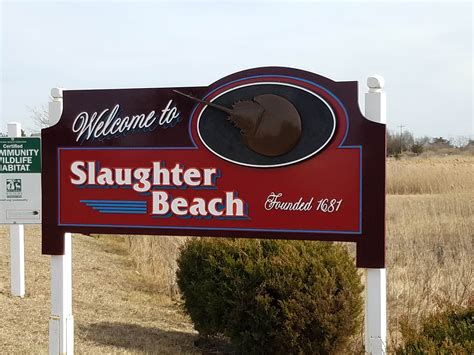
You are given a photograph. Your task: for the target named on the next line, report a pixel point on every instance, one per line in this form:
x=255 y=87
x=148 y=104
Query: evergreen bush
x=272 y=297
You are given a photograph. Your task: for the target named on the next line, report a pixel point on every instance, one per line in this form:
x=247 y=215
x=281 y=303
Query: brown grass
x=430 y=240
x=114 y=313
x=155 y=259
x=430 y=175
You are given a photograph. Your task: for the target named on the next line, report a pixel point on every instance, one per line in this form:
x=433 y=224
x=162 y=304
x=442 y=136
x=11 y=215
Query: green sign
x=20 y=155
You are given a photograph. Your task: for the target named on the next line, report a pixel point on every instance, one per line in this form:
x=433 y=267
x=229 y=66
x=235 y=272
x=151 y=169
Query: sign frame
x=366 y=135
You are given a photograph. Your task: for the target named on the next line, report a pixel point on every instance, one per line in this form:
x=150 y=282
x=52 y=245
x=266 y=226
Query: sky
x=423 y=50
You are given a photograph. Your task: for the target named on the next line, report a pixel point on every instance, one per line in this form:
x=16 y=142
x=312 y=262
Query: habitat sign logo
x=13 y=188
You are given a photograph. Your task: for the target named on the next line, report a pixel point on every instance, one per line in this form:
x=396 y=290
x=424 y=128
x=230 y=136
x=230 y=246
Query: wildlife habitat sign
x=20 y=180
x=263 y=153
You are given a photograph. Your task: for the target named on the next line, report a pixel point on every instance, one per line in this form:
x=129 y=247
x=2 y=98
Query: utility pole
x=401 y=137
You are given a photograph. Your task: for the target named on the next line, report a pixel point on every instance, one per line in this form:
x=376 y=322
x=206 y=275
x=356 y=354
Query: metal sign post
x=17 y=240
x=375 y=278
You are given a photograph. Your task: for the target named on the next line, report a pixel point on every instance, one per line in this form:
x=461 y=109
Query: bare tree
x=40 y=117
x=398 y=143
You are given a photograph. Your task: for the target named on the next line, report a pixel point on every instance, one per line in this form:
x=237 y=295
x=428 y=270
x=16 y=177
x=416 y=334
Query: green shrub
x=271 y=297
x=417 y=148
x=447 y=332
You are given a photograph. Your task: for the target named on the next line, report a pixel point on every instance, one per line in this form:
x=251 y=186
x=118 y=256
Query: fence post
x=17 y=240
x=375 y=279
x=61 y=321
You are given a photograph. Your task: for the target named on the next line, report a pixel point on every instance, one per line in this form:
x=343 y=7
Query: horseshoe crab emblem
x=270 y=124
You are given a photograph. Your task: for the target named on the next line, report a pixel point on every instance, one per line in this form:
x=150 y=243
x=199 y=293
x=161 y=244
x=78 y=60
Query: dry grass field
x=430 y=244
x=124 y=288
x=430 y=239
x=114 y=313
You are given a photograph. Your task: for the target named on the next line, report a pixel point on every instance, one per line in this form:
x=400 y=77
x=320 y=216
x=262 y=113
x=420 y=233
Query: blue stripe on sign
x=122 y=212
x=115 y=205
x=119 y=208
x=113 y=201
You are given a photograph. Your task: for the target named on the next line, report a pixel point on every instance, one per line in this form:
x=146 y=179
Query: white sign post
x=20 y=198
x=375 y=279
x=17 y=240
x=61 y=321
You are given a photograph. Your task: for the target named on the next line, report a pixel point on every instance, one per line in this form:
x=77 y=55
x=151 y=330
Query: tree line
x=405 y=142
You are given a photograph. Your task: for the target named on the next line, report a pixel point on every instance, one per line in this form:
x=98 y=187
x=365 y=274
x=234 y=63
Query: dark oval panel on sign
x=276 y=125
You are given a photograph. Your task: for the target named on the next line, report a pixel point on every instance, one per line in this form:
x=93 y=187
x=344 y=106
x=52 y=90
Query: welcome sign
x=263 y=153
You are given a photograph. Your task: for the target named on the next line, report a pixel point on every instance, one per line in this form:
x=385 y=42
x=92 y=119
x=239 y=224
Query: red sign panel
x=265 y=153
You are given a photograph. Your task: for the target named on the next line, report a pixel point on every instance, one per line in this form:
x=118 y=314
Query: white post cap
x=57 y=93
x=14 y=129
x=376 y=82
